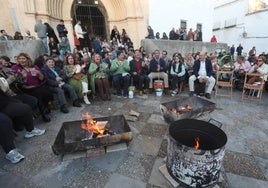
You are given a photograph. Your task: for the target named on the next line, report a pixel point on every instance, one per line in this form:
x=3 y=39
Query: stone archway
x=93 y=16
x=131 y=15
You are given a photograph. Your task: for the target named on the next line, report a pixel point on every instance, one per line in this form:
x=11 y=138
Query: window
x=230 y=23
x=257 y=5
x=199 y=26
x=183 y=24
x=217 y=26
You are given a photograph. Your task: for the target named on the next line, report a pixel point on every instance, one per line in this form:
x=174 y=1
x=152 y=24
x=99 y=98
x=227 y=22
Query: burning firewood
x=182 y=109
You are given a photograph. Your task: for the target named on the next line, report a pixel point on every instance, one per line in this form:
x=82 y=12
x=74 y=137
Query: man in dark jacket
x=138 y=70
x=158 y=70
x=62 y=31
x=56 y=80
x=202 y=70
x=239 y=50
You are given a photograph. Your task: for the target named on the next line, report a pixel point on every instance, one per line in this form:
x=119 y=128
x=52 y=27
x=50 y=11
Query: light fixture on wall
x=244 y=34
x=79 y=1
x=96 y=2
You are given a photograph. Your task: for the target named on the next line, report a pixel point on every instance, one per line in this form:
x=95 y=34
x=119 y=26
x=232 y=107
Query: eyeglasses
x=259 y=60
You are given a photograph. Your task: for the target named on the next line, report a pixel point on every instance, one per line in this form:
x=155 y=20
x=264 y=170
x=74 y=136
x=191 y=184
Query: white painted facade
x=242 y=22
x=164 y=15
x=232 y=21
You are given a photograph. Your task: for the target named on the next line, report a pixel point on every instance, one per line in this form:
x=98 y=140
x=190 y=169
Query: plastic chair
x=254 y=90
x=224 y=79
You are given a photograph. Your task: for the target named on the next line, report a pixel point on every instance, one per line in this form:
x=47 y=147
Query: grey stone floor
x=245 y=163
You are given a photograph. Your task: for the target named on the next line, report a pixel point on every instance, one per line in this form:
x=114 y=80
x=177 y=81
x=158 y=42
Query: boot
x=76 y=103
x=46 y=118
x=85 y=88
x=85 y=98
x=85 y=92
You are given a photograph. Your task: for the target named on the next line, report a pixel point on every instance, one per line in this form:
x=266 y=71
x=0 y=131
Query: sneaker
x=34 y=132
x=76 y=103
x=207 y=95
x=46 y=118
x=173 y=94
x=14 y=156
x=64 y=109
x=86 y=100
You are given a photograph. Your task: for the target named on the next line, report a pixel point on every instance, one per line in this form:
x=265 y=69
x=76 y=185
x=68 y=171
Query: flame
x=174 y=110
x=197 y=143
x=182 y=109
x=91 y=125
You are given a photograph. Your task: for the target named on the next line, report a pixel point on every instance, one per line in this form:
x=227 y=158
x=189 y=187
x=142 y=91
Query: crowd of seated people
x=82 y=74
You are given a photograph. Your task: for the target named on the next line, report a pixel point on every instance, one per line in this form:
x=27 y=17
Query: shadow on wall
x=12 y=48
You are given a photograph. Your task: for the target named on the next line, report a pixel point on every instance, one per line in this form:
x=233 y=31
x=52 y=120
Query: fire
x=182 y=109
x=197 y=143
x=93 y=126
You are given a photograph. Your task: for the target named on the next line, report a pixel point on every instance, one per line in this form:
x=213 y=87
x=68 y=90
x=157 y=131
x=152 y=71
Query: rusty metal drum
x=190 y=166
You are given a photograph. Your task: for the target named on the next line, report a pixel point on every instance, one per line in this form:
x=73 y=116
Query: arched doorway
x=92 y=15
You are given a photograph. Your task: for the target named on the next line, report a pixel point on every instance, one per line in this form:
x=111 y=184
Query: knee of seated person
x=126 y=78
x=24 y=107
x=192 y=78
x=59 y=91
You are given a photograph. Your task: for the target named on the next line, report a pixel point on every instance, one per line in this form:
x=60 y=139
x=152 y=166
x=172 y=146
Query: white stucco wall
x=255 y=25
x=164 y=15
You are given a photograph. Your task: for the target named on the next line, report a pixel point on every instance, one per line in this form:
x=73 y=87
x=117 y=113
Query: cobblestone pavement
x=245 y=162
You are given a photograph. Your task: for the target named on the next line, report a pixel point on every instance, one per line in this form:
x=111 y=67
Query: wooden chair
x=254 y=90
x=223 y=82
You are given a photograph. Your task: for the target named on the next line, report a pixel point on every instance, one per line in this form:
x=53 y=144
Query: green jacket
x=116 y=68
x=101 y=73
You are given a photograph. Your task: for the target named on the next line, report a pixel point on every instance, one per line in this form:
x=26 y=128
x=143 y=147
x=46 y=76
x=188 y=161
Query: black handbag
x=16 y=87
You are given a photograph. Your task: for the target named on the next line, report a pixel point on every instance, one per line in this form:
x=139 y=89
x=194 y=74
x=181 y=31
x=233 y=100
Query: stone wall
x=12 y=48
x=183 y=47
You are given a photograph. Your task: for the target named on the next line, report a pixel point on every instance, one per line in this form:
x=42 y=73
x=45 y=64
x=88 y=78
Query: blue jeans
x=63 y=53
x=117 y=80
